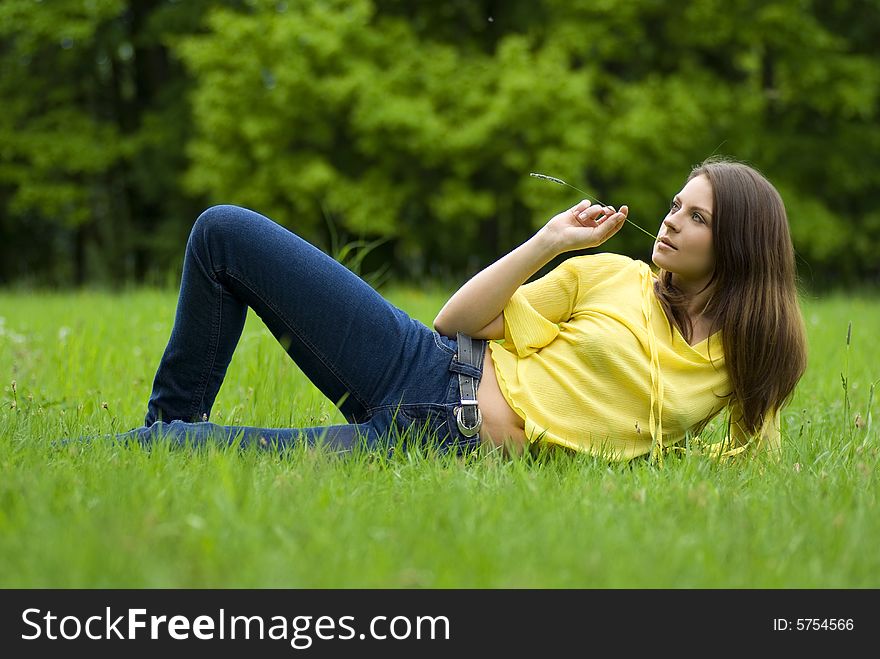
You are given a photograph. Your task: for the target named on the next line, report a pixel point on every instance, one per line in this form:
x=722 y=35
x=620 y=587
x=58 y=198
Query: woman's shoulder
x=606 y=262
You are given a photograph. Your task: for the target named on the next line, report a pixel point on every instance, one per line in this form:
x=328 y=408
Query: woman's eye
x=698 y=218
x=674 y=205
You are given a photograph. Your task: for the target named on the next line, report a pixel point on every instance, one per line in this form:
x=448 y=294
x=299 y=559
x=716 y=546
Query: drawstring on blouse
x=655 y=422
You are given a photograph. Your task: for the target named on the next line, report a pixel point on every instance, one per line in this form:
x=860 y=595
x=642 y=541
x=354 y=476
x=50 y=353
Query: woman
x=600 y=355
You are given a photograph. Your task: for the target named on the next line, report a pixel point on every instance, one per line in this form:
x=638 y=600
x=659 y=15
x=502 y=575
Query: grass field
x=101 y=515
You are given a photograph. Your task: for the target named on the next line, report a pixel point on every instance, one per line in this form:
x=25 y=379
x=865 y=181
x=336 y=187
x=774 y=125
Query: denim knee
x=213 y=220
x=214 y=229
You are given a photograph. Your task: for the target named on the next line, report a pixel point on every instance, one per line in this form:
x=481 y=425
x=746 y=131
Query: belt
x=469 y=361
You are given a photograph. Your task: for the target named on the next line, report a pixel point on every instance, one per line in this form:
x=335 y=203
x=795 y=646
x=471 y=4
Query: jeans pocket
x=440 y=342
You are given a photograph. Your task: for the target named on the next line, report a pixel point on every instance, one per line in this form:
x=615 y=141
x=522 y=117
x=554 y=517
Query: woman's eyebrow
x=696 y=208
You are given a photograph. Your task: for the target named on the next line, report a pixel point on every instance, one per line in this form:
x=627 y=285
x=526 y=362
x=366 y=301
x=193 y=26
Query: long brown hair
x=754 y=295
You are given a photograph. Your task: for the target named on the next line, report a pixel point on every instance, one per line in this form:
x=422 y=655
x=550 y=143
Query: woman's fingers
x=616 y=216
x=607 y=213
x=616 y=220
x=580 y=207
x=604 y=220
x=590 y=216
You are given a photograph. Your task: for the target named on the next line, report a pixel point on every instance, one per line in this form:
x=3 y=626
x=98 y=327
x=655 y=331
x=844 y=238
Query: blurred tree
x=93 y=130
x=419 y=122
x=319 y=112
x=433 y=115
x=57 y=147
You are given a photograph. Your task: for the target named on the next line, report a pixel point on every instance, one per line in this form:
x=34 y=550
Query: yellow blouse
x=590 y=361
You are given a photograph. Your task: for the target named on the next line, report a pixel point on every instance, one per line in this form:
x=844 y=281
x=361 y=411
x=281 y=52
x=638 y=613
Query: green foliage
x=351 y=114
x=418 y=123
x=428 y=140
x=92 y=132
x=52 y=146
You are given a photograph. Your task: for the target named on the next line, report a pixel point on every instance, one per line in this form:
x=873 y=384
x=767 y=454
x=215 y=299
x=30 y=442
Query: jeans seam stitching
x=208 y=272
x=436 y=336
x=215 y=332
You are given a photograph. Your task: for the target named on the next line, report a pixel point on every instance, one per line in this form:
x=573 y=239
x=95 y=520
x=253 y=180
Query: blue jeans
x=390 y=375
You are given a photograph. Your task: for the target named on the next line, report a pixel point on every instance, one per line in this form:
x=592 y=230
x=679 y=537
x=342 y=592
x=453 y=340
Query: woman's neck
x=697 y=298
x=697 y=293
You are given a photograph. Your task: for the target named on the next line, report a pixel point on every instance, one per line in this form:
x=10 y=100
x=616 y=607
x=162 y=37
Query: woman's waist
x=501 y=424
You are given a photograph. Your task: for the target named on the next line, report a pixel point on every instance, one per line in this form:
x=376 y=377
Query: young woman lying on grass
x=601 y=355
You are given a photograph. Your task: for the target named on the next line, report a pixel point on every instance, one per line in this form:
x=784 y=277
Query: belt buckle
x=468 y=431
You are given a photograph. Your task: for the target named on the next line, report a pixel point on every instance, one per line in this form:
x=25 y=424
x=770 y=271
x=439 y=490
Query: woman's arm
x=476 y=308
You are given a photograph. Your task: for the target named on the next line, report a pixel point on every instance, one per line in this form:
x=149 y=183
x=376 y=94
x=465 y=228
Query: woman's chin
x=658 y=258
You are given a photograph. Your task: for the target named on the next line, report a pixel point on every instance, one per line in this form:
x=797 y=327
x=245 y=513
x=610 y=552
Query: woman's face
x=684 y=242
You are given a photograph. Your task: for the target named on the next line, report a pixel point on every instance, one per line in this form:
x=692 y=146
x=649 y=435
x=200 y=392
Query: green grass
x=101 y=515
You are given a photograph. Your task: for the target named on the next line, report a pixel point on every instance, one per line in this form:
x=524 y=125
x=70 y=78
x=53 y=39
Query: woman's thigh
x=361 y=351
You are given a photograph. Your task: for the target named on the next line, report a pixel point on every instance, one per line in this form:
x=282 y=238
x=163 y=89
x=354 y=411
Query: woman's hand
x=583 y=226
